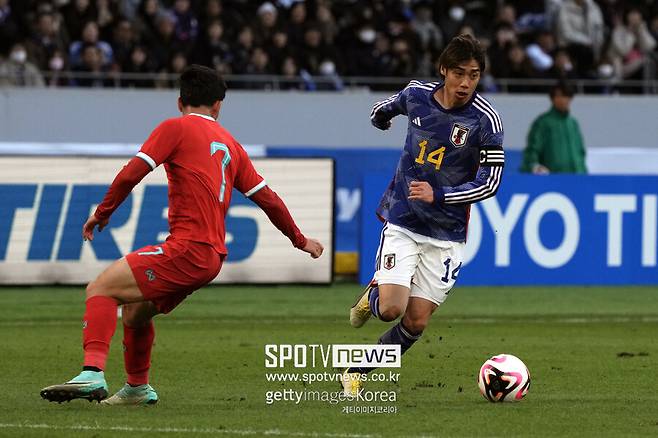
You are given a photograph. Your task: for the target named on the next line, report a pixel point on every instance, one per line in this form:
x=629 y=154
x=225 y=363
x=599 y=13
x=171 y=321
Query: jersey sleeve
x=386 y=109
x=489 y=175
x=247 y=180
x=131 y=174
x=485 y=185
x=161 y=144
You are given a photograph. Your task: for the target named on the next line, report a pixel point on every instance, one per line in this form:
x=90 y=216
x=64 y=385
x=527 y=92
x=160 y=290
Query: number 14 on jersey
x=435 y=157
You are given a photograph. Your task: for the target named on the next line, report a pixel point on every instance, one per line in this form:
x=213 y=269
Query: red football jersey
x=203 y=163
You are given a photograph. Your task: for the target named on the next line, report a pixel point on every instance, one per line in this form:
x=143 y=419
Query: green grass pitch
x=591 y=352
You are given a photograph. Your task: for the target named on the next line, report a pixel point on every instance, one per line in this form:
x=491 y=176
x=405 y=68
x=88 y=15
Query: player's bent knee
x=389 y=313
x=91 y=289
x=132 y=317
x=416 y=326
x=96 y=287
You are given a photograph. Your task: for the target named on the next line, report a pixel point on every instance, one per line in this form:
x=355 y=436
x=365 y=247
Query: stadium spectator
x=562 y=66
x=279 y=49
x=449 y=23
x=186 y=24
x=259 y=62
x=532 y=15
x=315 y=52
x=504 y=38
x=138 y=62
x=399 y=28
x=653 y=26
x=631 y=45
x=18 y=71
x=555 y=144
x=297 y=23
x=429 y=34
x=165 y=44
x=330 y=79
x=404 y=61
x=518 y=66
x=326 y=22
x=266 y=22
x=242 y=50
x=379 y=38
x=76 y=14
x=232 y=20
x=148 y=13
x=107 y=14
x=47 y=39
x=211 y=49
x=57 y=66
x=8 y=26
x=291 y=80
x=360 y=56
x=540 y=52
x=175 y=66
x=90 y=36
x=580 y=31
x=91 y=69
x=506 y=14
x=383 y=58
x=129 y=8
x=124 y=40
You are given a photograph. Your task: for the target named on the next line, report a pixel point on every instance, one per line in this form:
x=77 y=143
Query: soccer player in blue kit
x=453 y=156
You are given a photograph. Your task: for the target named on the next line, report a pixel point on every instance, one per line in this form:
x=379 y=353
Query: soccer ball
x=504 y=378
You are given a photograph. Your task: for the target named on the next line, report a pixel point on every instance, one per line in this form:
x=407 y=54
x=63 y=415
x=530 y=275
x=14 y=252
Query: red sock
x=100 y=321
x=137 y=343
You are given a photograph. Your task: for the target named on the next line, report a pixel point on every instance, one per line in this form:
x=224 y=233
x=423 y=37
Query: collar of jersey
x=202 y=115
x=451 y=110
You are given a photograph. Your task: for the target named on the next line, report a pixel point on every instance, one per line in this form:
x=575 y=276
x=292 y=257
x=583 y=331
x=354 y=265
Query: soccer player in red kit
x=203 y=164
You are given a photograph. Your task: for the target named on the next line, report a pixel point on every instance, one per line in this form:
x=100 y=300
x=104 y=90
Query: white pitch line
x=245 y=432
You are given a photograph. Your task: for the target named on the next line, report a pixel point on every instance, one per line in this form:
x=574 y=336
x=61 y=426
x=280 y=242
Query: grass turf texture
x=591 y=353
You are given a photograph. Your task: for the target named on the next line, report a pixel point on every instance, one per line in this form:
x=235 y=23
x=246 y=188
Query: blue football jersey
x=458 y=151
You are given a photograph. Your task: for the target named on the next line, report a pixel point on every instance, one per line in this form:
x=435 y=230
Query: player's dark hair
x=563 y=88
x=459 y=50
x=201 y=86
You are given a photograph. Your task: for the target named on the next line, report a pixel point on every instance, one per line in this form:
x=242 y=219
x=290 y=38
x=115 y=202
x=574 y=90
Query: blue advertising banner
x=548 y=230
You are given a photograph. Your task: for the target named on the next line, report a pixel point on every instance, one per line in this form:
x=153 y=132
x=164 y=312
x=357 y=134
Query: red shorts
x=167 y=273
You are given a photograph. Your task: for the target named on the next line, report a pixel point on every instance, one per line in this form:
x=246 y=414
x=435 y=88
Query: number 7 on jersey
x=214 y=147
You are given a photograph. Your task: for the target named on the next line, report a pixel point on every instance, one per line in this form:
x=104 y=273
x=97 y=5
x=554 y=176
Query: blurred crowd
x=317 y=43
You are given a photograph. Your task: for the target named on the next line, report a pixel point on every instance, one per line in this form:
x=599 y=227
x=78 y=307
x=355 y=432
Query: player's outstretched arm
x=384 y=110
x=131 y=174
x=280 y=217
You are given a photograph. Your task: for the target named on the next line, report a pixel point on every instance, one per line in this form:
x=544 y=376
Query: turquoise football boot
x=89 y=385
x=133 y=396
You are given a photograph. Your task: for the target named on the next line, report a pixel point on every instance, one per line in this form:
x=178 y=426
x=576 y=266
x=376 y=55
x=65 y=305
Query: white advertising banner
x=45 y=201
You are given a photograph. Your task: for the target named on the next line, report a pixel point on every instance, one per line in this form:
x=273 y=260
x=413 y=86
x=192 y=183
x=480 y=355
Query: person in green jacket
x=555 y=144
